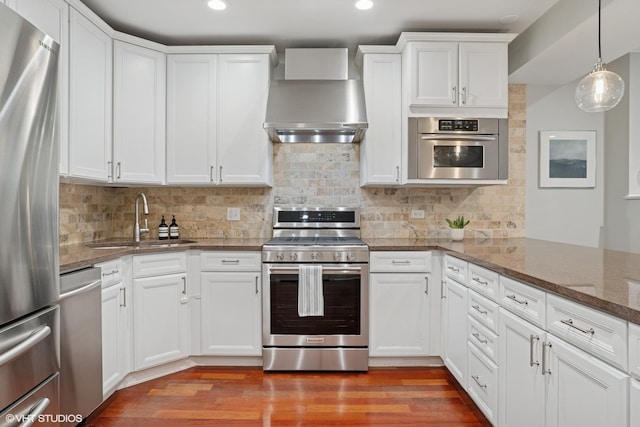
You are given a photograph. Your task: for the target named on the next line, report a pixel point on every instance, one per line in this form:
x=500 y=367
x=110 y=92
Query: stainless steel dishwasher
x=80 y=342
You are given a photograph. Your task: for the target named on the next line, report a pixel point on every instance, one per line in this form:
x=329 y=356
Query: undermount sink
x=121 y=244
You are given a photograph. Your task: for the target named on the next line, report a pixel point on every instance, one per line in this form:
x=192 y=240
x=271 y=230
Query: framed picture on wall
x=568 y=158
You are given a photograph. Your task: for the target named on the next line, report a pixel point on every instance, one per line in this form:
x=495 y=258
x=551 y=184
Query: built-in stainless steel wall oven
x=315 y=291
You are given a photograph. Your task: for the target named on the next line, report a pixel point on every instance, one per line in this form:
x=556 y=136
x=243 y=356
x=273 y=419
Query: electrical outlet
x=417 y=214
x=233 y=214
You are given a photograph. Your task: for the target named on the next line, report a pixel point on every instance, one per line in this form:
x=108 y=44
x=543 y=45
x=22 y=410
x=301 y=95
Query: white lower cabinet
x=634 y=403
x=482 y=382
x=231 y=304
x=116 y=324
x=161 y=309
x=455 y=329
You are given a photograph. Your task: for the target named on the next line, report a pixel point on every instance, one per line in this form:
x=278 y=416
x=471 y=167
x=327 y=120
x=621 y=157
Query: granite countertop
x=604 y=279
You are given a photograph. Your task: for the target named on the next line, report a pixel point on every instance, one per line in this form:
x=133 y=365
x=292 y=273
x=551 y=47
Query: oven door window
x=458 y=156
x=341 y=306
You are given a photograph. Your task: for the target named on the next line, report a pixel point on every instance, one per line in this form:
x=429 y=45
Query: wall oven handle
x=34 y=338
x=449 y=137
x=329 y=269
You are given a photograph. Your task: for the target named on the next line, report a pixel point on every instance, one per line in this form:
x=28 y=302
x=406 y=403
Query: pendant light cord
x=599 y=29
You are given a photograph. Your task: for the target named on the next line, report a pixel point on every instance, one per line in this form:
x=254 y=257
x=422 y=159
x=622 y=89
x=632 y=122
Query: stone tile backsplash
x=309 y=174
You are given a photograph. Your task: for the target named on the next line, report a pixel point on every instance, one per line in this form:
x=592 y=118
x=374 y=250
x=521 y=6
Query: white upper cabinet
x=90 y=100
x=139 y=80
x=244 y=149
x=191 y=118
x=216 y=105
x=52 y=17
x=453 y=75
x=380 y=152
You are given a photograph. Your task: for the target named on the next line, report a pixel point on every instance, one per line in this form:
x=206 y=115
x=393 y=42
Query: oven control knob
x=315 y=256
x=293 y=256
x=280 y=256
x=337 y=256
x=350 y=256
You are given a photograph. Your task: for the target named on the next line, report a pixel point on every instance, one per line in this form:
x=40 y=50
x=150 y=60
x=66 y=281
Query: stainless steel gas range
x=315 y=291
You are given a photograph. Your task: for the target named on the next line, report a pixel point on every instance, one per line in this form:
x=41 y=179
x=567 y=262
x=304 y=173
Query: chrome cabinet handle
x=119 y=169
x=453 y=95
x=531 y=339
x=477 y=308
x=569 y=322
x=184 y=285
x=124 y=297
x=33 y=339
x=514 y=298
x=426 y=285
x=477 y=336
x=464 y=94
x=257 y=279
x=442 y=294
x=220 y=174
x=544 y=359
x=397 y=173
x=211 y=173
x=400 y=262
x=230 y=261
x=454 y=269
x=110 y=273
x=477 y=279
x=476 y=378
x=109 y=171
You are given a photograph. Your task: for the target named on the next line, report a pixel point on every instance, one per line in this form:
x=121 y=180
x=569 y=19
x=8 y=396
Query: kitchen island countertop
x=603 y=279
x=600 y=278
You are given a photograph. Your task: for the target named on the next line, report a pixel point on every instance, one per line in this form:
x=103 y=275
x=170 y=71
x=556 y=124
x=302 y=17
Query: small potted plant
x=457 y=227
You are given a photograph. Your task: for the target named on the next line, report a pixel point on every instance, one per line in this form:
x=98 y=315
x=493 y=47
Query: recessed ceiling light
x=364 y=4
x=217 y=4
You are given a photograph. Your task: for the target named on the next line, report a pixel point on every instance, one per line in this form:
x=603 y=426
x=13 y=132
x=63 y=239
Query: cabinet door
x=231 y=314
x=455 y=332
x=244 y=149
x=522 y=385
x=90 y=94
x=52 y=17
x=584 y=391
x=139 y=114
x=434 y=74
x=399 y=314
x=380 y=152
x=160 y=327
x=483 y=75
x=191 y=119
x=634 y=398
x=113 y=338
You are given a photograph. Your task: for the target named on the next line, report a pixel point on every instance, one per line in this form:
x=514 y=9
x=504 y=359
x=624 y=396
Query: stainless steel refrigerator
x=29 y=262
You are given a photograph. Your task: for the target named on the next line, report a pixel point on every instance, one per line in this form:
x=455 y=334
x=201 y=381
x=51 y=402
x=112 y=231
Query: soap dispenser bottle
x=174 y=230
x=163 y=229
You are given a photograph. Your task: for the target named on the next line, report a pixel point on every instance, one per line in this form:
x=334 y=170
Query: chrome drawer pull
x=111 y=273
x=513 y=298
x=231 y=261
x=454 y=269
x=476 y=378
x=477 y=279
x=477 y=336
x=477 y=308
x=569 y=322
x=531 y=338
x=395 y=262
x=544 y=359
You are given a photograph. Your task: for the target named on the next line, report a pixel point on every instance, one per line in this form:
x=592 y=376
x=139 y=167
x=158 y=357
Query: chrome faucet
x=137 y=231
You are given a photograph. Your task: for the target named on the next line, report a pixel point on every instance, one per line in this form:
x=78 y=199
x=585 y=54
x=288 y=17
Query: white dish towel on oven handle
x=310 y=291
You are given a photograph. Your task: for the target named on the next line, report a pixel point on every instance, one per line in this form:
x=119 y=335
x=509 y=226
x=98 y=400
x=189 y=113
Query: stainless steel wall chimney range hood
x=316 y=102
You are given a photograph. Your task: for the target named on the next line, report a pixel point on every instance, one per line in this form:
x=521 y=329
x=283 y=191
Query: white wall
x=567 y=215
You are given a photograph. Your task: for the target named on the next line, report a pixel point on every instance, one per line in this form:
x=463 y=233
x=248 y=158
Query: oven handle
x=459 y=137
x=327 y=269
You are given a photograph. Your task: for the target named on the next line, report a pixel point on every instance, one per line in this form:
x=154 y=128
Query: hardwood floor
x=206 y=396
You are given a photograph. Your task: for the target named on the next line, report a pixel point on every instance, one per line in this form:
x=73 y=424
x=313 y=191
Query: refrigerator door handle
x=35 y=337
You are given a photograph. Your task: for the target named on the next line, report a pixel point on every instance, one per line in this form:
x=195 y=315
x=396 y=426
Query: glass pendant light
x=600 y=90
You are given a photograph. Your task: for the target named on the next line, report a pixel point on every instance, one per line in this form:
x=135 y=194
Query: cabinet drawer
x=400 y=261
x=456 y=269
x=159 y=264
x=483 y=383
x=230 y=261
x=484 y=311
x=524 y=300
x=634 y=350
x=595 y=332
x=484 y=281
x=484 y=339
x=112 y=272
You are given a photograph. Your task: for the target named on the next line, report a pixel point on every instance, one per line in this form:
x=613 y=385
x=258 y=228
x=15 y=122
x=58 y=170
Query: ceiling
x=557 y=41
x=310 y=23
